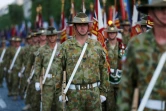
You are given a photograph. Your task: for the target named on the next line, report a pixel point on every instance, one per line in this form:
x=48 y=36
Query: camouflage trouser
x=1 y=75
x=84 y=100
x=35 y=98
x=23 y=83
x=15 y=82
x=9 y=81
x=47 y=97
x=110 y=104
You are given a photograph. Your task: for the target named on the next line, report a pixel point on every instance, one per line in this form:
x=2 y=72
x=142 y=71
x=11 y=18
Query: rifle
x=29 y=79
x=135 y=100
x=63 y=94
x=41 y=86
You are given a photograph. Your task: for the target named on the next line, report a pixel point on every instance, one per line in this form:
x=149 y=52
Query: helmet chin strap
x=78 y=31
x=163 y=24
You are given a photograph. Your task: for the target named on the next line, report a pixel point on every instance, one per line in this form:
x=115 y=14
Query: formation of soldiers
x=74 y=76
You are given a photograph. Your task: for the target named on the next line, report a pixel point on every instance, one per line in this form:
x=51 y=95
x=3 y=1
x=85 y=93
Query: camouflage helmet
x=17 y=39
x=35 y=33
x=52 y=31
x=80 y=18
x=142 y=22
x=125 y=22
x=154 y=4
x=12 y=39
x=42 y=31
x=29 y=36
x=112 y=28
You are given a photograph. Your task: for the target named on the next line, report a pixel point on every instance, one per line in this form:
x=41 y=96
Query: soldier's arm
x=104 y=75
x=60 y=58
x=38 y=66
x=127 y=83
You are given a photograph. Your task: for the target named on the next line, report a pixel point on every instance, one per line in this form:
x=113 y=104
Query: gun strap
x=76 y=67
x=3 y=53
x=50 y=62
x=15 y=57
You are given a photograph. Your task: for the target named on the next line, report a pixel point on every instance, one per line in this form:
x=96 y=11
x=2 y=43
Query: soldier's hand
x=37 y=86
x=9 y=71
x=4 y=68
x=102 y=98
x=20 y=74
x=29 y=81
x=60 y=98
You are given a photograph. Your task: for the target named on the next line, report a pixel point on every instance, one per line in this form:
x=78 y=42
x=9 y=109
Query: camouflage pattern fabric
x=92 y=69
x=42 y=61
x=15 y=71
x=142 y=58
x=125 y=38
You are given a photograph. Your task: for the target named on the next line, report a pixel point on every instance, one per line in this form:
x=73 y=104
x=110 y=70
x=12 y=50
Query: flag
x=100 y=34
x=83 y=6
x=39 y=21
x=22 y=30
x=123 y=12
x=63 y=28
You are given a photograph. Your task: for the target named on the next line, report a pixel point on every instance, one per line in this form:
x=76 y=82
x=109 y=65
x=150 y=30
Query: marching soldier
x=2 y=61
x=42 y=63
x=15 y=68
x=143 y=25
x=9 y=56
x=116 y=49
x=29 y=68
x=142 y=57
x=89 y=86
x=126 y=31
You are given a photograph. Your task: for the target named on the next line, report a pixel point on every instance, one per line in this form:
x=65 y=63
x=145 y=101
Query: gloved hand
x=20 y=74
x=9 y=71
x=102 y=98
x=28 y=80
x=4 y=68
x=37 y=86
x=60 y=98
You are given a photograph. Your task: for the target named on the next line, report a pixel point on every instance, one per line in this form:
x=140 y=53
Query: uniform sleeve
x=38 y=66
x=104 y=75
x=127 y=83
x=60 y=66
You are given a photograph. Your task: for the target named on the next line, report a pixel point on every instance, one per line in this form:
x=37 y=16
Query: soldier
x=9 y=56
x=116 y=49
x=90 y=83
x=2 y=61
x=29 y=67
x=126 y=31
x=15 y=68
x=42 y=61
x=143 y=25
x=142 y=57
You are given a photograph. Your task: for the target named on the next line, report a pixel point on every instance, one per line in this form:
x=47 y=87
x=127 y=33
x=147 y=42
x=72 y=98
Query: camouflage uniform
x=142 y=57
x=2 y=65
x=42 y=61
x=114 y=57
x=92 y=69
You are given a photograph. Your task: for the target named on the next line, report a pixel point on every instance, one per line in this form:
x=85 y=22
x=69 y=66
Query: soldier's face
x=52 y=38
x=82 y=28
x=144 y=28
x=35 y=39
x=42 y=37
x=112 y=35
x=30 y=42
x=126 y=27
x=17 y=43
x=158 y=15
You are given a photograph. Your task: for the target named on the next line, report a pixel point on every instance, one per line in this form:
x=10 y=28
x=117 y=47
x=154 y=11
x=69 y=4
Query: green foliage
x=5 y=21
x=16 y=14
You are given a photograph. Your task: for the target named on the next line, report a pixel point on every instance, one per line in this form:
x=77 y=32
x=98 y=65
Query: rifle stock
x=63 y=88
x=135 y=100
x=41 y=87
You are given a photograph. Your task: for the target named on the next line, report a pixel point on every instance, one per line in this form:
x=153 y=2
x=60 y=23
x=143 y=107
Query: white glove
x=4 y=68
x=28 y=80
x=102 y=98
x=20 y=74
x=9 y=71
x=37 y=86
x=60 y=98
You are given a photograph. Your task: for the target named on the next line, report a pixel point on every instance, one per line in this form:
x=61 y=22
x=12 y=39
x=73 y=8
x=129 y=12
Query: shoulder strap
x=76 y=67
